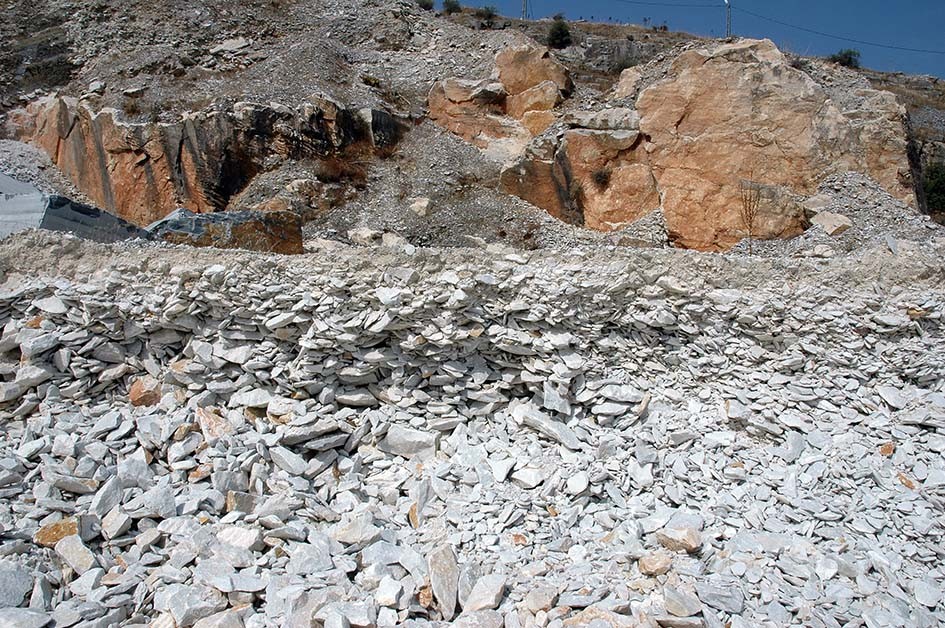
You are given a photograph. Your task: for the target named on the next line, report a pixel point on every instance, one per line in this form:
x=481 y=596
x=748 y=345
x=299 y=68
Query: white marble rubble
x=495 y=442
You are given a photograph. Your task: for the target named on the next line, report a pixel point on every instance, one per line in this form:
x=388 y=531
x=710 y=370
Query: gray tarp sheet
x=22 y=206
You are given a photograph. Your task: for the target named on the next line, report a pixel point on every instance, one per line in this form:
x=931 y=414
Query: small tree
x=451 y=6
x=849 y=58
x=559 y=34
x=751 y=202
x=425 y=4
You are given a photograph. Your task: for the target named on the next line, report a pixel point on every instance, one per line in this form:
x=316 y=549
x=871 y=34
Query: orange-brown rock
x=725 y=114
x=522 y=67
x=542 y=97
x=500 y=115
x=143 y=171
x=537 y=121
x=740 y=111
x=145 y=391
x=591 y=178
x=627 y=84
x=212 y=424
x=52 y=533
x=269 y=232
x=474 y=110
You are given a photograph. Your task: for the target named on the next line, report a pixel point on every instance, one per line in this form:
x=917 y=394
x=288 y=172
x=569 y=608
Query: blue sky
x=907 y=23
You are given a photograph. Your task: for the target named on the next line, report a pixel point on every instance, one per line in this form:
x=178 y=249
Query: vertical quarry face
x=740 y=111
x=142 y=172
x=724 y=115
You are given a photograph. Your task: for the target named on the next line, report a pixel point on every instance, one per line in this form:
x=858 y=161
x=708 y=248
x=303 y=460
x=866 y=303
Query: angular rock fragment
x=444 y=578
x=486 y=594
x=407 y=442
x=74 y=553
x=684 y=539
x=145 y=391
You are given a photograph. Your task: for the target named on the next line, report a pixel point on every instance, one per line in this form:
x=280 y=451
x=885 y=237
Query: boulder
x=537 y=121
x=502 y=113
x=270 y=232
x=627 y=84
x=365 y=236
x=542 y=97
x=420 y=206
x=740 y=111
x=832 y=224
x=474 y=110
x=615 y=119
x=589 y=178
x=522 y=67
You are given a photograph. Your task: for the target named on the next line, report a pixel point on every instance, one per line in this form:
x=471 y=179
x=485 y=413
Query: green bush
x=934 y=183
x=849 y=58
x=451 y=6
x=425 y=4
x=559 y=35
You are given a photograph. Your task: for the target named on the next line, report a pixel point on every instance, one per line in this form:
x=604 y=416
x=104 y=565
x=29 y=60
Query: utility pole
x=728 y=19
x=524 y=9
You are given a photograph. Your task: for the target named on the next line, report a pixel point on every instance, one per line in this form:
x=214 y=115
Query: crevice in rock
x=916 y=168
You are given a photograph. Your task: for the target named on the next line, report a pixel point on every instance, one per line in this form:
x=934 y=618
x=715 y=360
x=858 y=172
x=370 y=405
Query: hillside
x=356 y=55
x=382 y=317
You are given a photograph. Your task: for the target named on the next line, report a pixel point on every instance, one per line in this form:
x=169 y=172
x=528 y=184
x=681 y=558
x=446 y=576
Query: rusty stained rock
x=500 y=114
x=269 y=232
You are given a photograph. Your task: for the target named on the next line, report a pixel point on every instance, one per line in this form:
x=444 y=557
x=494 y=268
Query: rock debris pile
x=664 y=439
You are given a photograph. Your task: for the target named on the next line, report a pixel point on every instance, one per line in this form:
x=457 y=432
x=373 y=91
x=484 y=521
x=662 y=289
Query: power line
x=839 y=37
x=669 y=4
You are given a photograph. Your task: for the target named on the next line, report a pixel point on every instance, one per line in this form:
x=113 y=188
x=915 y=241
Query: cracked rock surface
x=657 y=438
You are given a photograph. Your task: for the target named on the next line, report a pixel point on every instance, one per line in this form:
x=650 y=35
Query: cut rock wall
x=143 y=171
x=723 y=115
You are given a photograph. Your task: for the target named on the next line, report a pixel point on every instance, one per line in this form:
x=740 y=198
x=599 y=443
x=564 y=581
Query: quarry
x=350 y=313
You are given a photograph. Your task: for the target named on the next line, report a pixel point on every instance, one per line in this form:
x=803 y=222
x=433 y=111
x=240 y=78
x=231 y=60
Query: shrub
x=933 y=181
x=559 y=35
x=601 y=178
x=427 y=5
x=751 y=203
x=849 y=58
x=451 y=6
x=487 y=13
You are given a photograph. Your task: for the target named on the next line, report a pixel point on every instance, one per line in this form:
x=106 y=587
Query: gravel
x=654 y=437
x=31 y=165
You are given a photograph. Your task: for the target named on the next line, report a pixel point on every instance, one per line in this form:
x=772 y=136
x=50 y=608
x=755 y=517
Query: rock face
x=501 y=114
x=142 y=171
x=725 y=114
x=590 y=176
x=740 y=111
x=270 y=232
